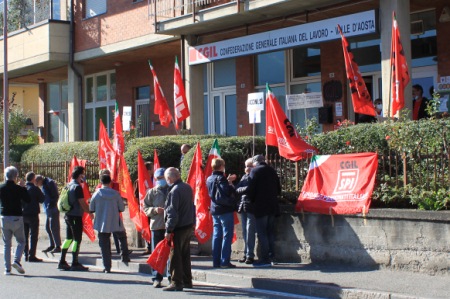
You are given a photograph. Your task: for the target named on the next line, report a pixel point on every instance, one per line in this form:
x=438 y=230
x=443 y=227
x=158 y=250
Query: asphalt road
x=43 y=280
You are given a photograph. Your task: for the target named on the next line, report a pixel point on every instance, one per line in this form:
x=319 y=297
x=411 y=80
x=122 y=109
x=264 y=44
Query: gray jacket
x=155 y=197
x=179 y=209
x=107 y=204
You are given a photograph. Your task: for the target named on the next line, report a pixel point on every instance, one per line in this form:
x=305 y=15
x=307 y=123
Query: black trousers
x=31 y=229
x=104 y=241
x=180 y=257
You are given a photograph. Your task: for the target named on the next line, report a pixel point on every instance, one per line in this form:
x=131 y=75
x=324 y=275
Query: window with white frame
x=100 y=101
x=95 y=8
x=56 y=114
x=143 y=111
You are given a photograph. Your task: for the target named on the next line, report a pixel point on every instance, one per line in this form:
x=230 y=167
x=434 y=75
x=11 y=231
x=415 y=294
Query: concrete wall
x=409 y=240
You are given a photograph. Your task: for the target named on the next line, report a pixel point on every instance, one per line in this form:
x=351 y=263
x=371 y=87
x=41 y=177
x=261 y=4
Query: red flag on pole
x=399 y=70
x=88 y=228
x=281 y=133
x=332 y=189
x=179 y=96
x=361 y=100
x=137 y=216
x=156 y=163
x=118 y=143
x=161 y=107
x=144 y=180
x=105 y=150
x=202 y=201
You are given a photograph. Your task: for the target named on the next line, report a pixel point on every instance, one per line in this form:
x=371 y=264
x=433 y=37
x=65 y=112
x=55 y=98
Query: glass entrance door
x=223 y=114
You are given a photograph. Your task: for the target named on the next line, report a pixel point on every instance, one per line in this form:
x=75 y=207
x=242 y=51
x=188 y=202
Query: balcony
x=38 y=36
x=183 y=17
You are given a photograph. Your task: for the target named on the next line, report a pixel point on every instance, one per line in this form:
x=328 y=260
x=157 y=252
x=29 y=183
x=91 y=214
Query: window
x=95 y=8
x=57 y=100
x=224 y=73
x=143 y=111
x=269 y=68
x=306 y=61
x=99 y=103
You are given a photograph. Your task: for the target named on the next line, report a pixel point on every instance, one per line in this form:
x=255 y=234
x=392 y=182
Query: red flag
x=214 y=152
x=339 y=184
x=161 y=107
x=362 y=102
x=281 y=133
x=105 y=149
x=399 y=69
x=179 y=96
x=144 y=180
x=88 y=228
x=138 y=217
x=202 y=201
x=118 y=143
x=156 y=163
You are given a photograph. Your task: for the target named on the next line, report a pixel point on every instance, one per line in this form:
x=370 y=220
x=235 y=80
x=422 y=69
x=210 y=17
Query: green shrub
x=62 y=151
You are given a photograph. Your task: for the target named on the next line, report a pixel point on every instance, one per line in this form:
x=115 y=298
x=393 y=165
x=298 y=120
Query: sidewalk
x=308 y=280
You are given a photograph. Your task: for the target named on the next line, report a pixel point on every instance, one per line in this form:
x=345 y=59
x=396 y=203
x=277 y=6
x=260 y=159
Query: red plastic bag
x=158 y=259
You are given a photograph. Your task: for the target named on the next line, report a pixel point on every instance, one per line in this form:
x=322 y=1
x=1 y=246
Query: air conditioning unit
x=417 y=27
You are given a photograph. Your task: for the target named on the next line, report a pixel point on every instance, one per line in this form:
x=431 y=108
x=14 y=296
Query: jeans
x=52 y=226
x=222 y=236
x=157 y=236
x=31 y=230
x=266 y=237
x=12 y=226
x=248 y=232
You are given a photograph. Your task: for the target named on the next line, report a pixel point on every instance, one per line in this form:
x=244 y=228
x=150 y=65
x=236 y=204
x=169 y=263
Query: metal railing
x=25 y=13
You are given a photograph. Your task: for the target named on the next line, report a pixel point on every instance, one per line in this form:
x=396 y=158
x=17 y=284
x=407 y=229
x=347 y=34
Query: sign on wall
x=126 y=118
x=352 y=25
x=255 y=101
x=304 y=100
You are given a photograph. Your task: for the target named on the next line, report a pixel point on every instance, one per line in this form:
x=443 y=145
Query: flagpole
x=254 y=131
x=390 y=90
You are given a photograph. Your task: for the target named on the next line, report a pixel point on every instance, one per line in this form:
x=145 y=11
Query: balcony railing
x=25 y=13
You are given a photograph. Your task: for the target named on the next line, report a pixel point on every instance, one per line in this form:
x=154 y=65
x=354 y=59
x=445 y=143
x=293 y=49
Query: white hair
x=11 y=173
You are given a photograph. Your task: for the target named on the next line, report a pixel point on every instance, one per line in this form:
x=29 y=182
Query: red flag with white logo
x=202 y=201
x=137 y=216
x=161 y=106
x=179 y=96
x=339 y=184
x=362 y=103
x=88 y=228
x=281 y=133
x=399 y=70
x=105 y=149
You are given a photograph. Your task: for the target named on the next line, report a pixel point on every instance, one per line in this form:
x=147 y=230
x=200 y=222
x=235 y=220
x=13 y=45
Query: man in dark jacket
x=52 y=224
x=179 y=219
x=31 y=212
x=263 y=190
x=11 y=198
x=223 y=205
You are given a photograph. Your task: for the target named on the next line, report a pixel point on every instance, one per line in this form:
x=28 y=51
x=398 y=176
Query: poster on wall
x=126 y=118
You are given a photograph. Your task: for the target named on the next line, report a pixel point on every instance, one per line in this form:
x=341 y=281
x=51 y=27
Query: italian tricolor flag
x=214 y=152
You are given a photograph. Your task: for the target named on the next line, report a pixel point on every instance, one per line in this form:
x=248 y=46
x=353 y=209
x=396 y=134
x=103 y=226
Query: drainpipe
x=72 y=66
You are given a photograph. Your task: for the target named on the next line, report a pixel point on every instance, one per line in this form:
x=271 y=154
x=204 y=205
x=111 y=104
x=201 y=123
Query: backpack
x=63 y=202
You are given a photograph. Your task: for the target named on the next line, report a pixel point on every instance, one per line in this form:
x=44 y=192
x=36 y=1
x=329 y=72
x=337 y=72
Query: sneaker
x=249 y=261
x=126 y=259
x=157 y=284
x=262 y=264
x=33 y=259
x=56 y=250
x=242 y=260
x=173 y=288
x=63 y=266
x=106 y=270
x=18 y=267
x=230 y=265
x=48 y=249
x=7 y=272
x=78 y=267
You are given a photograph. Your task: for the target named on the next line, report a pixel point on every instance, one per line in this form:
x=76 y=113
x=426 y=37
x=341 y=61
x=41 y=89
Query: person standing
x=263 y=190
x=184 y=149
x=74 y=222
x=154 y=209
x=223 y=204
x=31 y=212
x=247 y=216
x=179 y=223
x=107 y=203
x=120 y=237
x=11 y=198
x=420 y=103
x=52 y=224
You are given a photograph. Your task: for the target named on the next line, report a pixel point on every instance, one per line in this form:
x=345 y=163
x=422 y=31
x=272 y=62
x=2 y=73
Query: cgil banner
x=339 y=184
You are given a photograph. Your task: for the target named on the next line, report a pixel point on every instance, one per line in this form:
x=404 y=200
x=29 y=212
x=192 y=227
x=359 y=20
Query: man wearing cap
x=263 y=190
x=154 y=208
